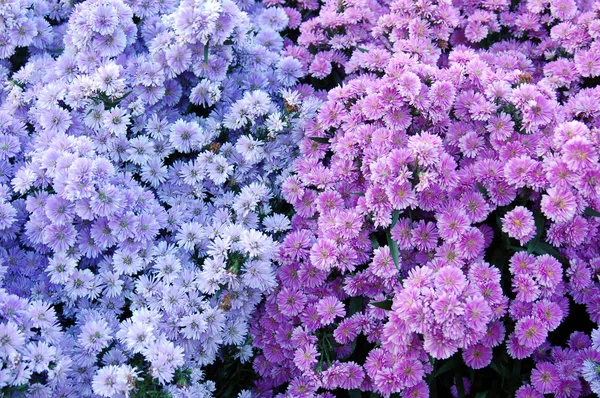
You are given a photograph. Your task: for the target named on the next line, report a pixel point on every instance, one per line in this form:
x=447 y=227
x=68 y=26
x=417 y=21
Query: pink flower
x=438 y=346
x=383 y=263
x=477 y=313
x=477 y=356
x=530 y=332
x=519 y=224
x=475 y=206
x=410 y=371
x=448 y=279
x=526 y=288
x=559 y=204
x=471 y=244
x=452 y=223
x=522 y=263
x=305 y=357
x=516 y=350
x=425 y=235
x=548 y=271
x=494 y=335
x=421 y=390
x=549 y=313
x=330 y=308
x=587 y=63
x=290 y=302
x=526 y=391
x=322 y=254
x=579 y=154
x=545 y=378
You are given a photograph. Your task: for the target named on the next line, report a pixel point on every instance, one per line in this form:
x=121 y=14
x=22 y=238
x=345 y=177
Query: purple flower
x=544 y=378
x=519 y=224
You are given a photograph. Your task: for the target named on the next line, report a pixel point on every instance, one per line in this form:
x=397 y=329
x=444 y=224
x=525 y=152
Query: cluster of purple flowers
x=353 y=195
x=141 y=159
x=451 y=132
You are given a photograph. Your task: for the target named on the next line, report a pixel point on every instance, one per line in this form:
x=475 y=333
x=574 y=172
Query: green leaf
x=484 y=191
x=320 y=140
x=355 y=305
x=496 y=368
x=448 y=366
x=540 y=223
x=516 y=248
x=481 y=394
x=354 y=394
x=374 y=242
x=591 y=212
x=460 y=386
x=362 y=50
x=545 y=248
x=384 y=305
x=206 y=53
x=393 y=249
x=395 y=216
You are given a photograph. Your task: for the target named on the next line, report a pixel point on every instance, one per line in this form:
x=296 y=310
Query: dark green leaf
x=448 y=366
x=355 y=305
x=354 y=394
x=384 y=305
x=206 y=53
x=460 y=386
x=393 y=250
x=545 y=248
x=374 y=241
x=362 y=50
x=516 y=248
x=496 y=368
x=395 y=216
x=320 y=140
x=540 y=223
x=591 y=212
x=483 y=190
x=481 y=394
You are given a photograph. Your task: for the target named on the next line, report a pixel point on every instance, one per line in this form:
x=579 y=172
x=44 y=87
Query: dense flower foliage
x=299 y=198
x=141 y=170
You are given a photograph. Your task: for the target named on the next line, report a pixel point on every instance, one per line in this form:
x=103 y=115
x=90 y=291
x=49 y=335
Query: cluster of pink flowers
x=446 y=197
x=396 y=197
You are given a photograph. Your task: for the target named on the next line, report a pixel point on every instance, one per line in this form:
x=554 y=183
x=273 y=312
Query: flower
x=519 y=224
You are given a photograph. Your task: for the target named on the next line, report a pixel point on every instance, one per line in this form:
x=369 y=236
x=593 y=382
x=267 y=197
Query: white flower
x=249 y=148
x=219 y=170
x=275 y=123
x=277 y=223
x=105 y=381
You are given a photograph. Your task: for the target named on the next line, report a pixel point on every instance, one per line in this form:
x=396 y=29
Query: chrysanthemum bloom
x=330 y=308
x=290 y=302
x=548 y=271
x=579 y=154
x=531 y=332
x=559 y=204
x=519 y=224
x=544 y=378
x=305 y=357
x=477 y=356
x=527 y=391
x=105 y=381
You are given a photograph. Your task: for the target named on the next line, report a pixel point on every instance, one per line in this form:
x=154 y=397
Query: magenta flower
x=519 y=224
x=290 y=302
x=306 y=357
x=530 y=332
x=544 y=378
x=477 y=356
x=559 y=204
x=329 y=308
